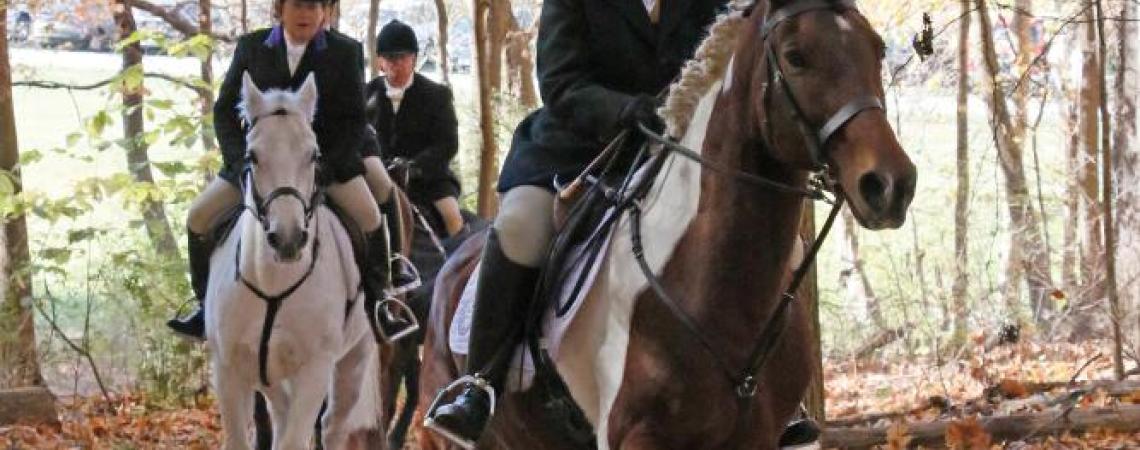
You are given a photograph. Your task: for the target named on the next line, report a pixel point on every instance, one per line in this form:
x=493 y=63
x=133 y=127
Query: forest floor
x=902 y=393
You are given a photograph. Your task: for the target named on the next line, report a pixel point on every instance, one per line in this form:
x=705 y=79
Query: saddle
x=577 y=253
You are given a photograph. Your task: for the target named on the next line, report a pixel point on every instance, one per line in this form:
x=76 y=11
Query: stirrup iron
x=385 y=319
x=393 y=291
x=429 y=418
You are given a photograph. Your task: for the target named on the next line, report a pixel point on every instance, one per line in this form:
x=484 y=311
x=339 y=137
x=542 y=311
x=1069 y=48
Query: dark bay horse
x=780 y=90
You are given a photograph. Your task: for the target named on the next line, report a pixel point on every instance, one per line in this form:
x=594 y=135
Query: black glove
x=642 y=109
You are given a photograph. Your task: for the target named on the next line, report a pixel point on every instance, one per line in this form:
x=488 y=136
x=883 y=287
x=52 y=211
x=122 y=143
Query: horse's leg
x=306 y=393
x=346 y=393
x=278 y=399
x=235 y=405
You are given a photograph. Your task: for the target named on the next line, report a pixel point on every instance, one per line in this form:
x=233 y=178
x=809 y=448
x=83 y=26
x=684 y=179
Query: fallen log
x=1001 y=428
x=35 y=405
x=879 y=340
x=1112 y=388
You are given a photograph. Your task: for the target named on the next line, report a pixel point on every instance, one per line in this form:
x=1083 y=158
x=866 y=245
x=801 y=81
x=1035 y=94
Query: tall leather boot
x=198 y=249
x=391 y=319
x=403 y=277
x=504 y=291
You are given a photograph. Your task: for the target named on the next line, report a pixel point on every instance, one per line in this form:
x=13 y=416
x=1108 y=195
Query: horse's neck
x=733 y=258
x=257 y=262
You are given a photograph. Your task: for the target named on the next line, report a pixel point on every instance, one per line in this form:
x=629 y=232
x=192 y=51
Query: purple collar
x=277 y=37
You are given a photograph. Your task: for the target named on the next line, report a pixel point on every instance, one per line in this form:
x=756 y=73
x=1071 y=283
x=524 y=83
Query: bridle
x=745 y=380
x=260 y=209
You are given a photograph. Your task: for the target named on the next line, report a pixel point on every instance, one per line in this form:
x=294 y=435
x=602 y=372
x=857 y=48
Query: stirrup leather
x=476 y=381
x=387 y=320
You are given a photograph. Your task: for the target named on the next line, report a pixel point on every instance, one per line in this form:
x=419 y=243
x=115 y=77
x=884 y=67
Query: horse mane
x=271 y=100
x=705 y=68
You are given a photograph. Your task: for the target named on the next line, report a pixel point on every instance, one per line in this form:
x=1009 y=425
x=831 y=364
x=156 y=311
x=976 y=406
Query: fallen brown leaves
x=90 y=423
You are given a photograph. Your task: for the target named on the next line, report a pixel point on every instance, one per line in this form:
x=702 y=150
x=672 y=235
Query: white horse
x=283 y=309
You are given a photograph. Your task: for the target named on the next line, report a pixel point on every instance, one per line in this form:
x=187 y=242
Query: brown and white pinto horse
x=799 y=90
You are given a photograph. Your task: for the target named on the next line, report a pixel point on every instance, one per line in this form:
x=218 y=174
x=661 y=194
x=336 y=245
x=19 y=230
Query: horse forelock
x=271 y=101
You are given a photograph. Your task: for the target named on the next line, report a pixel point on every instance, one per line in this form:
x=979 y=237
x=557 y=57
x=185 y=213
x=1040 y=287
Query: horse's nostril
x=274 y=240
x=304 y=239
x=873 y=189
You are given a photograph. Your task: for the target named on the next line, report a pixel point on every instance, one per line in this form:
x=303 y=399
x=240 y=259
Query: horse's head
x=281 y=160
x=817 y=92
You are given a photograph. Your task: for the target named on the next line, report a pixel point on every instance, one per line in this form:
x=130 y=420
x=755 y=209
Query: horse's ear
x=307 y=96
x=251 y=97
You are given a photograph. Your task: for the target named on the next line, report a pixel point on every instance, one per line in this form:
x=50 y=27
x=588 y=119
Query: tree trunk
x=206 y=27
x=138 y=162
x=1126 y=162
x=1091 y=246
x=444 y=63
x=19 y=364
x=1106 y=197
x=855 y=280
x=1027 y=252
x=1070 y=246
x=488 y=156
x=809 y=294
x=962 y=196
x=499 y=23
x=370 y=37
x=244 y=16
x=520 y=67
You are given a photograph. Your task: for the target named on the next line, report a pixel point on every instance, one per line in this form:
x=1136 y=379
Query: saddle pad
x=459 y=336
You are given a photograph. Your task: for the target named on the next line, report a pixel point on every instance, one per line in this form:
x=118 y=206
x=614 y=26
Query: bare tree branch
x=81 y=350
x=98 y=84
x=183 y=26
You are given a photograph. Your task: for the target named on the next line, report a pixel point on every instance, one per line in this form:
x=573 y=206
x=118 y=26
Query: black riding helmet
x=396 y=38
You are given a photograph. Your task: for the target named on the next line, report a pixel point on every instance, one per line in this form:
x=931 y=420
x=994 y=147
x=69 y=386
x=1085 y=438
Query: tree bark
x=809 y=294
x=488 y=156
x=858 y=285
x=1012 y=427
x=32 y=405
x=962 y=193
x=1106 y=197
x=177 y=22
x=1027 y=252
x=370 y=37
x=244 y=16
x=1091 y=245
x=443 y=23
x=1127 y=163
x=138 y=161
x=19 y=362
x=500 y=23
x=206 y=26
x=520 y=67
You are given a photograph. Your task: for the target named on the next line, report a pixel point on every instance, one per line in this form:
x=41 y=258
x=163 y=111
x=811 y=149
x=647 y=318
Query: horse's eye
x=251 y=158
x=795 y=58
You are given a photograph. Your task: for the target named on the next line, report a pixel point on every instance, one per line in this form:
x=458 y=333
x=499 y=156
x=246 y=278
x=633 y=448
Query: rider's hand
x=642 y=109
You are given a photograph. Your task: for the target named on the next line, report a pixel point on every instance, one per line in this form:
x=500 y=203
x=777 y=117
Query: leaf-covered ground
x=965 y=390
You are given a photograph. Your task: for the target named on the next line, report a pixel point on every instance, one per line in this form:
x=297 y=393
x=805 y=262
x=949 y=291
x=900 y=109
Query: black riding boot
x=198 y=249
x=504 y=291
x=403 y=277
x=391 y=317
x=801 y=433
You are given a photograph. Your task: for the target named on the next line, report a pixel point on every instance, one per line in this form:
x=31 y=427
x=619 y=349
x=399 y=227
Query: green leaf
x=163 y=104
x=7 y=185
x=30 y=156
x=172 y=168
x=57 y=255
x=97 y=123
x=74 y=138
x=80 y=235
